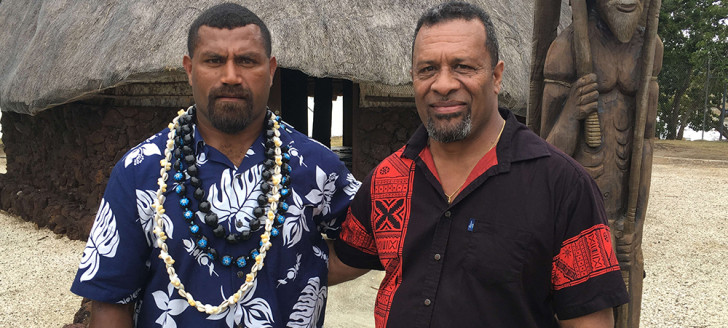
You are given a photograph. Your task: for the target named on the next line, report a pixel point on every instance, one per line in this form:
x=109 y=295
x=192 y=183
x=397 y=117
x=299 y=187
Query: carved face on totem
x=622 y=16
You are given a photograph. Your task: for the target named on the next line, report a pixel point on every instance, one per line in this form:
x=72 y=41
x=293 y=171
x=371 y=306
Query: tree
x=692 y=32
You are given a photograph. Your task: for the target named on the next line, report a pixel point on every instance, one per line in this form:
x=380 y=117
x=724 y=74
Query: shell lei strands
x=274 y=197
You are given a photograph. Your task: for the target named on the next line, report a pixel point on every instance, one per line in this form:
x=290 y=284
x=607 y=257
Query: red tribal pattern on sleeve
x=354 y=233
x=391 y=194
x=582 y=257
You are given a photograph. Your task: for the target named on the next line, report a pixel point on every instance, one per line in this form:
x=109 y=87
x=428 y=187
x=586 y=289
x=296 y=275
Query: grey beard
x=449 y=134
x=623 y=26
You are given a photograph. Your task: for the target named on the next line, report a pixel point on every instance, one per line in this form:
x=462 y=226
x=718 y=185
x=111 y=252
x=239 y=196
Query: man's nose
x=445 y=82
x=231 y=73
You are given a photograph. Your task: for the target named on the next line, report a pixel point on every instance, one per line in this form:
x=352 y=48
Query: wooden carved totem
x=594 y=96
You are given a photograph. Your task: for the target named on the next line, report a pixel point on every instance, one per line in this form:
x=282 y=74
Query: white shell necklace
x=274 y=196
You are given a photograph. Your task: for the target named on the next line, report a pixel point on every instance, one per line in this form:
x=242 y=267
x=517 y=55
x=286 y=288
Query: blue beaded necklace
x=187 y=161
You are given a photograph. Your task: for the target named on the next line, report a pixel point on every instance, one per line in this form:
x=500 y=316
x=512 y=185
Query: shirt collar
x=198 y=143
x=513 y=145
x=257 y=155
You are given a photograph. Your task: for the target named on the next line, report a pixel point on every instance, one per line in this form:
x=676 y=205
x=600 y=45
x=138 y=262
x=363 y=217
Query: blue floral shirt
x=120 y=263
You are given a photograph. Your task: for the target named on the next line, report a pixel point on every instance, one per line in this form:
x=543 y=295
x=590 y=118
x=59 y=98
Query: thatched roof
x=55 y=51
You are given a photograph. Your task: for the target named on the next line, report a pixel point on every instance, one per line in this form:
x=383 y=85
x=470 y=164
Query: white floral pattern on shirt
x=170 y=307
x=253 y=312
x=326 y=186
x=103 y=241
x=308 y=309
x=136 y=155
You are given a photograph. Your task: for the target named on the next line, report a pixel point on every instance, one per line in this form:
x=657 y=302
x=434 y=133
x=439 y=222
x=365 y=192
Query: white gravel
x=685 y=245
x=685 y=249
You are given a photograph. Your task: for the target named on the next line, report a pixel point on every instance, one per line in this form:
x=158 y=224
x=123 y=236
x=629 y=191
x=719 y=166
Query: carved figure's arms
x=565 y=103
x=564 y=112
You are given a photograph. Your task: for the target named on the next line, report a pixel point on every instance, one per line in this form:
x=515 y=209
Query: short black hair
x=450 y=11
x=227 y=16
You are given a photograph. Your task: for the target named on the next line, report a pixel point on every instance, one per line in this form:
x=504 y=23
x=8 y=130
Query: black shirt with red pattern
x=525 y=241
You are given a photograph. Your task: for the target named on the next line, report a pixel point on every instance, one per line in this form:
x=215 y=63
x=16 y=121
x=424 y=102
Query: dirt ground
x=685 y=247
x=685 y=237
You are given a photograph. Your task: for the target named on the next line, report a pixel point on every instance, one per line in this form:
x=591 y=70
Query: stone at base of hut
x=58 y=162
x=46 y=208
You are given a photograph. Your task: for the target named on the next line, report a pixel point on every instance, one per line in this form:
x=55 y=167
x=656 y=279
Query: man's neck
x=455 y=160
x=233 y=146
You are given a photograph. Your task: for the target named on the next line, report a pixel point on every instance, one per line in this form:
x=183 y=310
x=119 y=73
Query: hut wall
x=58 y=162
x=384 y=120
x=378 y=132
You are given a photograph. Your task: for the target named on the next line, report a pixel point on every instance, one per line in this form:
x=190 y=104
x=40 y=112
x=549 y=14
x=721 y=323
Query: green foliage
x=692 y=32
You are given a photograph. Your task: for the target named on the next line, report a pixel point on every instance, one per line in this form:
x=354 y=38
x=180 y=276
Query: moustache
x=230 y=91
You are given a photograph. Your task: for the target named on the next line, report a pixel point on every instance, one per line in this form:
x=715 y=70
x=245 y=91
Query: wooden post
x=722 y=114
x=348 y=108
x=636 y=271
x=294 y=99
x=582 y=53
x=357 y=136
x=322 y=103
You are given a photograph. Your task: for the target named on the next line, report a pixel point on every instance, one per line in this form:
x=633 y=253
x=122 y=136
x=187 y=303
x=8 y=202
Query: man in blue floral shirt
x=217 y=221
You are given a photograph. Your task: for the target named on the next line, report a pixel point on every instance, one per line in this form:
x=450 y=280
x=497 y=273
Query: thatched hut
x=83 y=81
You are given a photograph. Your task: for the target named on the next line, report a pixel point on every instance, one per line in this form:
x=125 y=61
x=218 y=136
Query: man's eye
x=245 y=61
x=214 y=61
x=427 y=70
x=463 y=68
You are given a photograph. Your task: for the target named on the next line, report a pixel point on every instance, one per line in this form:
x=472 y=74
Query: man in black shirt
x=477 y=221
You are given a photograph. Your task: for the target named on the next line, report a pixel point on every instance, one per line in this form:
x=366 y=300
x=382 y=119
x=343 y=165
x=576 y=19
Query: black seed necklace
x=275 y=187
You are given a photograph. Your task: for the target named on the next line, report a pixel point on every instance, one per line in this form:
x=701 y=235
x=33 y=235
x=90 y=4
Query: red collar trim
x=488 y=160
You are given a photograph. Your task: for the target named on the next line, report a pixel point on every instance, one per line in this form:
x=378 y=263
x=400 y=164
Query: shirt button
x=241 y=274
x=428 y=302
x=448 y=214
x=437 y=257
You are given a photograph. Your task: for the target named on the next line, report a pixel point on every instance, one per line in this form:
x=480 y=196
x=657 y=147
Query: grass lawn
x=700 y=149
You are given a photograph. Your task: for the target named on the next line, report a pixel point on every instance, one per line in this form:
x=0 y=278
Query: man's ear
x=273 y=66
x=498 y=76
x=187 y=63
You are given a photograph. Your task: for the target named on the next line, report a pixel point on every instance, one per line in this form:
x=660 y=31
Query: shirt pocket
x=496 y=253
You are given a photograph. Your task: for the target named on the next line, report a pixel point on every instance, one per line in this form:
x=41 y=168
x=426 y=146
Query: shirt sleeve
x=113 y=266
x=338 y=190
x=356 y=246
x=585 y=274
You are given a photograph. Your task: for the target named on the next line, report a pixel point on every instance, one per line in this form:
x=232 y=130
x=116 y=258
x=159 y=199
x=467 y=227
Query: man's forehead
x=249 y=31
x=213 y=37
x=451 y=32
x=458 y=27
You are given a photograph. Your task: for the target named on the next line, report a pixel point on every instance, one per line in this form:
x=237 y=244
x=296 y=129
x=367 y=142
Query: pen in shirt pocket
x=471 y=225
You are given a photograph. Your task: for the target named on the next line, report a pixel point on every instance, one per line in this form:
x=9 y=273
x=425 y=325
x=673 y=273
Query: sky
x=337 y=117
x=690 y=134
